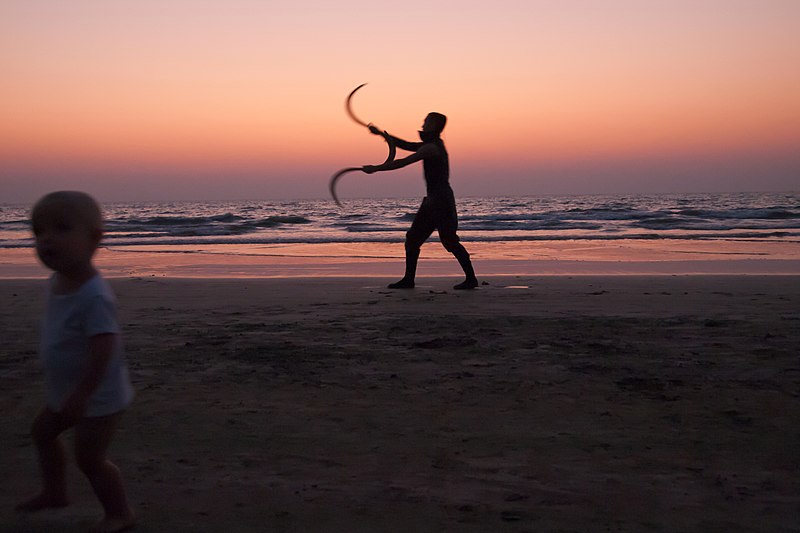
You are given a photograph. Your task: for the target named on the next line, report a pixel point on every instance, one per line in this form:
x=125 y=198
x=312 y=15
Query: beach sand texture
x=585 y=403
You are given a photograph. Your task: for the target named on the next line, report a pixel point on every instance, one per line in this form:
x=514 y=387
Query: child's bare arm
x=100 y=349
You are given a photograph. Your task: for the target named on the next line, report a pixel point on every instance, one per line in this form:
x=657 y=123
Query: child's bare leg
x=52 y=461
x=92 y=438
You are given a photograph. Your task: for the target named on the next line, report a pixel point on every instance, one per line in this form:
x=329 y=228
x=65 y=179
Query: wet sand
x=531 y=258
x=554 y=403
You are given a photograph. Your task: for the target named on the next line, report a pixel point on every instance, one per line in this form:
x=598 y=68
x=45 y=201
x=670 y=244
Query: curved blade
x=350 y=110
x=392 y=148
x=386 y=137
x=335 y=178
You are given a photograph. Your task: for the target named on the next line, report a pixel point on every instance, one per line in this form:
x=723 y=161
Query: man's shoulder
x=432 y=149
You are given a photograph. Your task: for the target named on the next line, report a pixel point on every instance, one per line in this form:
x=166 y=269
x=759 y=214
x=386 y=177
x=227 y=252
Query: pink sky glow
x=202 y=100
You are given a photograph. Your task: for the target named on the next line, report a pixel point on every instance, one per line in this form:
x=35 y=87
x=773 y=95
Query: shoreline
x=635 y=257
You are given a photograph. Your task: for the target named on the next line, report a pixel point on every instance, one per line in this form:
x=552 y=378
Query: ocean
x=771 y=217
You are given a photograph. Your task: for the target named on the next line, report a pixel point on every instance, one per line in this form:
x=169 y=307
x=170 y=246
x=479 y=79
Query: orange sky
x=201 y=100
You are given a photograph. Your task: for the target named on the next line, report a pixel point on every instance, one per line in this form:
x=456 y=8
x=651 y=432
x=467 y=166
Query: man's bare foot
x=42 y=501
x=114 y=524
x=467 y=284
x=402 y=284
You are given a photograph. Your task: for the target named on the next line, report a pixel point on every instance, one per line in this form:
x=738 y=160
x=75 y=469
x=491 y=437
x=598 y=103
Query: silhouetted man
x=438 y=209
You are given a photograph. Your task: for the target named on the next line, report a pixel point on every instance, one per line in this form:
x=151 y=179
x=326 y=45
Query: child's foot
x=114 y=524
x=42 y=501
x=467 y=284
x=402 y=284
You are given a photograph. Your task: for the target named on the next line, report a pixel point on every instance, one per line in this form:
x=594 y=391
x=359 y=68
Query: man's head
x=434 y=123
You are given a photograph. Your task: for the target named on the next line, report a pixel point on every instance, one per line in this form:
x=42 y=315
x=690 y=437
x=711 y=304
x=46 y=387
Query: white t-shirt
x=69 y=321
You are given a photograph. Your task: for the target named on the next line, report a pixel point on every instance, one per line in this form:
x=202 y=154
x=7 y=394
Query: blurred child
x=86 y=380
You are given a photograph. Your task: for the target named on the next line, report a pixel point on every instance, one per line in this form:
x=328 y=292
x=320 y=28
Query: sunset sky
x=204 y=100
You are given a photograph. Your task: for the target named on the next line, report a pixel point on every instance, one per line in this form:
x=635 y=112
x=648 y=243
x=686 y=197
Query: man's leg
x=448 y=226
x=412 y=255
x=461 y=254
x=421 y=228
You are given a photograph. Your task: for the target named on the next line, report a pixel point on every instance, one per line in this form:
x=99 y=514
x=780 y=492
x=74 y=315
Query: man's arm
x=426 y=150
x=400 y=143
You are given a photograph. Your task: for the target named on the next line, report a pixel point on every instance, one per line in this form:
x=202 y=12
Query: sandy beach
x=555 y=403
